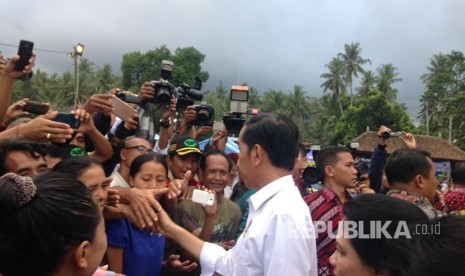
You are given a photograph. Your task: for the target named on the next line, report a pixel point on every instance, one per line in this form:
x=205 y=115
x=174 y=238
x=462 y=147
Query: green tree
x=371 y=112
x=274 y=101
x=367 y=84
x=334 y=81
x=387 y=76
x=353 y=62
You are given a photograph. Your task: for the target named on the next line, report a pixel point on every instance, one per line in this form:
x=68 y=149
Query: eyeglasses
x=140 y=148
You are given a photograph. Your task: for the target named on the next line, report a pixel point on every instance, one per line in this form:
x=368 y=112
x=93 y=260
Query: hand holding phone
x=203 y=197
x=69 y=119
x=36 y=108
x=25 y=54
x=122 y=109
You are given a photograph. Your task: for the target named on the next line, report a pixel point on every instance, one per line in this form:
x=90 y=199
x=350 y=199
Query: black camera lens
x=163 y=96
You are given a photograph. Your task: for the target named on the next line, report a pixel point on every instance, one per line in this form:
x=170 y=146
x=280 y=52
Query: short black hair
x=144 y=158
x=328 y=157
x=203 y=159
x=276 y=134
x=367 y=209
x=35 y=150
x=404 y=164
x=458 y=173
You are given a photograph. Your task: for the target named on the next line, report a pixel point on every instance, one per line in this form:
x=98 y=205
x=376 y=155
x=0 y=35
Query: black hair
x=404 y=164
x=439 y=250
x=76 y=166
x=276 y=134
x=458 y=173
x=371 y=208
x=203 y=159
x=37 y=237
x=328 y=157
x=144 y=158
x=34 y=149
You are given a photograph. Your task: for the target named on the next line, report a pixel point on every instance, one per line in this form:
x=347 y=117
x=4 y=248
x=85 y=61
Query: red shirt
x=455 y=199
x=325 y=207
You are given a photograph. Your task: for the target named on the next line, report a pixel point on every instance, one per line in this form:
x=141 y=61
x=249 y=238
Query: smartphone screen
x=25 y=53
x=69 y=119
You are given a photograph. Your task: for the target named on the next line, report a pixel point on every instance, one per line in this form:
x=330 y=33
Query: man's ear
x=80 y=255
x=418 y=181
x=257 y=154
x=329 y=171
x=122 y=154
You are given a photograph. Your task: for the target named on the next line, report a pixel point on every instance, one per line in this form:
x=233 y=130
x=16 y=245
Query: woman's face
x=96 y=182
x=346 y=260
x=151 y=175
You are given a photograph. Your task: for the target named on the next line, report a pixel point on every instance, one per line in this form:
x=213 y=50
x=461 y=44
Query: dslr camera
x=234 y=120
x=205 y=115
x=187 y=95
x=164 y=90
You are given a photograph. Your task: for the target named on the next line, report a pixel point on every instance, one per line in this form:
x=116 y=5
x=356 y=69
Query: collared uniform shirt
x=326 y=208
x=279 y=237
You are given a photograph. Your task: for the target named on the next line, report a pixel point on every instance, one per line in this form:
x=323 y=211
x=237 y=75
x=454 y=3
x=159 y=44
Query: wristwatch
x=165 y=124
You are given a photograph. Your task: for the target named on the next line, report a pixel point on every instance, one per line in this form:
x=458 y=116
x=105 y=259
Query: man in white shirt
x=279 y=238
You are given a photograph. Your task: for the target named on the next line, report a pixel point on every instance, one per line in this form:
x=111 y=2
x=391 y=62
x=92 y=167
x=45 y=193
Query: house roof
x=439 y=148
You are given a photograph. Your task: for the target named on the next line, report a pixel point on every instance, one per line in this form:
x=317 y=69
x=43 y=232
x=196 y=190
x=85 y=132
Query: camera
x=126 y=97
x=205 y=115
x=187 y=95
x=311 y=175
x=164 y=90
x=235 y=119
x=388 y=134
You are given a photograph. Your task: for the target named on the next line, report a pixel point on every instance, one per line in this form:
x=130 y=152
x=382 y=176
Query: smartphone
x=203 y=197
x=69 y=119
x=25 y=54
x=122 y=109
x=36 y=108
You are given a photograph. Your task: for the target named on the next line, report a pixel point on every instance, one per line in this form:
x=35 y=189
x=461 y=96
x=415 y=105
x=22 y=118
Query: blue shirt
x=143 y=251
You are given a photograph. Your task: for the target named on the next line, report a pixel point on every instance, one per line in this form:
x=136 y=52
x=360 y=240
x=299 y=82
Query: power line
x=53 y=52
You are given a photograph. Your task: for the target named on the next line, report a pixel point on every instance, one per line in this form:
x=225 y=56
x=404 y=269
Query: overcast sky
x=266 y=43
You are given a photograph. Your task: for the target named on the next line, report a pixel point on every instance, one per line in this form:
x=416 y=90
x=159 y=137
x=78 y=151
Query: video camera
x=388 y=134
x=205 y=115
x=187 y=95
x=234 y=120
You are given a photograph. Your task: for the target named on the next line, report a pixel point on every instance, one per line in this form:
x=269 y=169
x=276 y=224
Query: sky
x=269 y=44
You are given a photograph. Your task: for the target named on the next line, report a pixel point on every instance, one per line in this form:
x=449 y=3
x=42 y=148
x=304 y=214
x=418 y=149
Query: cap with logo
x=183 y=144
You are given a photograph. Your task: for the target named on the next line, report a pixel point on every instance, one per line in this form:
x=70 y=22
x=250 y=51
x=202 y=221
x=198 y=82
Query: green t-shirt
x=226 y=222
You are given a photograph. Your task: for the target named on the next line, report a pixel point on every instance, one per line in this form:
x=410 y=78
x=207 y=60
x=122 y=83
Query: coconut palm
x=334 y=81
x=387 y=76
x=352 y=63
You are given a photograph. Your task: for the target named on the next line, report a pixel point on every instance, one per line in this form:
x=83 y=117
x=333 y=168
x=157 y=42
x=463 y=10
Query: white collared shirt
x=279 y=238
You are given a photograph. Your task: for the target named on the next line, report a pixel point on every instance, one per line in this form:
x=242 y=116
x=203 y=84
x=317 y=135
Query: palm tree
x=297 y=104
x=352 y=63
x=274 y=101
x=334 y=81
x=367 y=83
x=387 y=76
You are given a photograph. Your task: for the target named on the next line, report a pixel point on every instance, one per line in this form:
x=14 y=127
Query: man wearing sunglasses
x=133 y=147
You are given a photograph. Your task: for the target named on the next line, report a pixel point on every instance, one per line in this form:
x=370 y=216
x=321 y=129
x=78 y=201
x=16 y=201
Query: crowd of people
x=107 y=198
